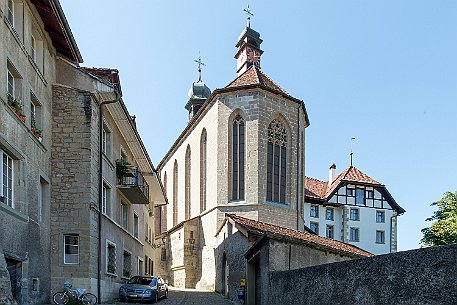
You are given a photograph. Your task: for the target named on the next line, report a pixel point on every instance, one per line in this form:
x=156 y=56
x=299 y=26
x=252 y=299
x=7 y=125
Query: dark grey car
x=144 y=288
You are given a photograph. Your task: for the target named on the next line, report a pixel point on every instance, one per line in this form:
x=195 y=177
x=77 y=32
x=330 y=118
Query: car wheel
x=156 y=298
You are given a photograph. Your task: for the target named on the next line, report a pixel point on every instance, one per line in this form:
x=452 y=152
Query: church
x=234 y=179
x=241 y=152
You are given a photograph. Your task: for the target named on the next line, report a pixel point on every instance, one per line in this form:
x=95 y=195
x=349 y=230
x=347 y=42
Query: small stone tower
x=249 y=51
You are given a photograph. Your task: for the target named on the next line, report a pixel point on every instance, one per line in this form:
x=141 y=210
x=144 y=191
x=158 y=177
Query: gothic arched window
x=163 y=225
x=276 y=162
x=238 y=140
x=187 y=185
x=203 y=140
x=175 y=193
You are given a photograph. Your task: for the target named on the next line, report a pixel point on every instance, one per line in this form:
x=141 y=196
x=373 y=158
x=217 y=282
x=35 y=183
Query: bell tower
x=248 y=45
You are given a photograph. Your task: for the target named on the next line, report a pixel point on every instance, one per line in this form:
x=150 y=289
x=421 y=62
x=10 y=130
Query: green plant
x=122 y=168
x=17 y=105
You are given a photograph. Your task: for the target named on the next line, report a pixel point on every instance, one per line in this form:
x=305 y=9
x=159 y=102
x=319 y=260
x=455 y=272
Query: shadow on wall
x=422 y=276
x=230 y=264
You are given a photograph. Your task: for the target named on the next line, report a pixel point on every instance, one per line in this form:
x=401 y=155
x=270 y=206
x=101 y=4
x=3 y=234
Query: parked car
x=147 y=288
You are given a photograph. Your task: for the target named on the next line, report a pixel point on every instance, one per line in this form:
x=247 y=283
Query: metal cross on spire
x=200 y=64
x=249 y=14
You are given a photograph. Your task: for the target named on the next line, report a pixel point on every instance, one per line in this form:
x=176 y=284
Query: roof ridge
x=319 y=180
x=239 y=76
x=271 y=80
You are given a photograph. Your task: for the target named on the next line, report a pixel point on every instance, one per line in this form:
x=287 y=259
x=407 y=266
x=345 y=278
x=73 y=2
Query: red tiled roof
x=351 y=174
x=320 y=189
x=310 y=239
x=315 y=188
x=254 y=76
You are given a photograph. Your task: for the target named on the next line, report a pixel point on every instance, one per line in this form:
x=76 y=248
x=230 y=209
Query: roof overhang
x=56 y=24
x=124 y=123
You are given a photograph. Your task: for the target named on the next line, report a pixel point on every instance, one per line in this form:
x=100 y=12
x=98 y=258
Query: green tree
x=443 y=230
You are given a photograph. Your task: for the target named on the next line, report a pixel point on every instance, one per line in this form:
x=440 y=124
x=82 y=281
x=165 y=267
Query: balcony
x=132 y=183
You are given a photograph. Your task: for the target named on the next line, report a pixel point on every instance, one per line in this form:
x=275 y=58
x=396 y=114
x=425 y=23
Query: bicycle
x=79 y=295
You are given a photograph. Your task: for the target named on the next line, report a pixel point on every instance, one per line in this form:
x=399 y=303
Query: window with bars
x=71 y=249
x=6 y=179
x=127 y=264
x=276 y=162
x=238 y=152
x=110 y=257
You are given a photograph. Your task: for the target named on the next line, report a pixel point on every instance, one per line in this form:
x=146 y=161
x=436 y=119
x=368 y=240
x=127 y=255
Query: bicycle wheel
x=88 y=299
x=60 y=298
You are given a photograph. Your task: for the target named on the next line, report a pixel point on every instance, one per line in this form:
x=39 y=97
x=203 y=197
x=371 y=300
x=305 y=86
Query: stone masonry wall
x=420 y=277
x=71 y=195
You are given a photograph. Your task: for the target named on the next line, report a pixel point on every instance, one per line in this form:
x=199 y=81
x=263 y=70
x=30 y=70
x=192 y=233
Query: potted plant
x=122 y=168
x=10 y=99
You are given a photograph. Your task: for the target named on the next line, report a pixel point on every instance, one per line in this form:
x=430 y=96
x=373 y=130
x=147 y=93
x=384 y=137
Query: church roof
x=254 y=76
x=308 y=237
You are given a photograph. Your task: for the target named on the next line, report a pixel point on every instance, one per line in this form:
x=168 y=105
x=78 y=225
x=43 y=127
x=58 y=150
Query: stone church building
x=242 y=153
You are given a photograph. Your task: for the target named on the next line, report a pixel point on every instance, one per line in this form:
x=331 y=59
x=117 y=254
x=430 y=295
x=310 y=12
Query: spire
x=248 y=45
x=198 y=92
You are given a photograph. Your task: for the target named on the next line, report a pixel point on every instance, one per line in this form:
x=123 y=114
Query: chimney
x=331 y=173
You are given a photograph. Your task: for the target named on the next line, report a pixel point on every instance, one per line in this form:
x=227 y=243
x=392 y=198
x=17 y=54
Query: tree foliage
x=443 y=230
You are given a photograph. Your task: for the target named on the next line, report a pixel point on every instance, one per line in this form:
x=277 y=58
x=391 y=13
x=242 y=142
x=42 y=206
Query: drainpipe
x=100 y=190
x=298 y=167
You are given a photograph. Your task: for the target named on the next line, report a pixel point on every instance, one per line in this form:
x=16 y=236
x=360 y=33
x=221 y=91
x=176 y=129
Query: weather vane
x=200 y=64
x=249 y=14
x=352 y=141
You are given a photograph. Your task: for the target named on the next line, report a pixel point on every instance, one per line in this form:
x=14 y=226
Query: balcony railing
x=134 y=187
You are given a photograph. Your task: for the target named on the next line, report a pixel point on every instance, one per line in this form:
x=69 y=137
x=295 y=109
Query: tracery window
x=187 y=185
x=276 y=162
x=203 y=140
x=238 y=151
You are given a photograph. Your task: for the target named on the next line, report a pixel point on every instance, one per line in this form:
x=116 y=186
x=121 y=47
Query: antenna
x=200 y=64
x=350 y=155
x=249 y=14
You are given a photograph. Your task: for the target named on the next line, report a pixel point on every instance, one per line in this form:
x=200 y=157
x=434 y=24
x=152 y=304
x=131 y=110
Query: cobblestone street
x=189 y=297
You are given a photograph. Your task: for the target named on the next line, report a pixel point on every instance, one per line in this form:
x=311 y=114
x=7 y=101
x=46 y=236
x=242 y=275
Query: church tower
x=248 y=45
x=198 y=93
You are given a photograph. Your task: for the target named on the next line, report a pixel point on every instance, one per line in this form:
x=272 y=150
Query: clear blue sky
x=384 y=72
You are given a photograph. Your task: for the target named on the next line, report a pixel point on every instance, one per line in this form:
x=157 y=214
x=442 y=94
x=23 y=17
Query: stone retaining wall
x=419 y=277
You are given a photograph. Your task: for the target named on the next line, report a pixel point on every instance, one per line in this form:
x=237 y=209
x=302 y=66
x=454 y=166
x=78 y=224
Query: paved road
x=190 y=297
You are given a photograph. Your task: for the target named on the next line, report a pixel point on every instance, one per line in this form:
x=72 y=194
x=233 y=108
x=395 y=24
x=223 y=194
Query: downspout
x=298 y=167
x=100 y=190
x=390 y=235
